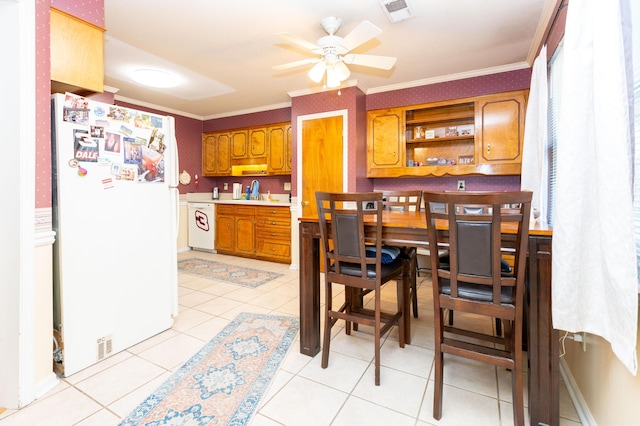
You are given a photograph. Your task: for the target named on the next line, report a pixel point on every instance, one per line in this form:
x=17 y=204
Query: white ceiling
x=224 y=50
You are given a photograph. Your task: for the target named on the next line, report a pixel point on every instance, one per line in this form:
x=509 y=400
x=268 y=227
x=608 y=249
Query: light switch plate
x=287 y=186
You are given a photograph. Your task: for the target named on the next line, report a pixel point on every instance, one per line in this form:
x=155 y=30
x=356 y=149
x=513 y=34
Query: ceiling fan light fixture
x=316 y=73
x=342 y=70
x=333 y=77
x=155 y=78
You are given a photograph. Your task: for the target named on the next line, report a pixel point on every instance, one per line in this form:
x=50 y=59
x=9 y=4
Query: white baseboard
x=45 y=385
x=576 y=396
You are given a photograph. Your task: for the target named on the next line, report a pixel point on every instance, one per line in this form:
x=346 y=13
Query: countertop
x=281 y=200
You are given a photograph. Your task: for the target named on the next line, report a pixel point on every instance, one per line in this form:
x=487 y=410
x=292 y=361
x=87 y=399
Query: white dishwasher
x=202 y=226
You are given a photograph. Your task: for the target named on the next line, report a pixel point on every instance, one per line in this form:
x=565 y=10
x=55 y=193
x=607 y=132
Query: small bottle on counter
x=268 y=195
x=248 y=192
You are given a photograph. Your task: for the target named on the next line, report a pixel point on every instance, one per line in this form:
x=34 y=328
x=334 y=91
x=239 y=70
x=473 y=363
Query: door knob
x=304 y=203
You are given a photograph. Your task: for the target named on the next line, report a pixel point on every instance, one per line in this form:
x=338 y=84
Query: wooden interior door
x=322 y=158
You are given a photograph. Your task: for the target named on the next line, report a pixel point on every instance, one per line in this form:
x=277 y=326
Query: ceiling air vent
x=398 y=10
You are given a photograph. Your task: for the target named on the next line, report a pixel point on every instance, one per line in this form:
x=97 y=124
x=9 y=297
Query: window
x=555 y=76
x=553 y=111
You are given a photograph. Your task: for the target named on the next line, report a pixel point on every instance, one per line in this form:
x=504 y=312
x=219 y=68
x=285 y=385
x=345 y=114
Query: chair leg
x=377 y=338
x=439 y=368
x=516 y=380
x=414 y=286
x=328 y=323
x=351 y=295
x=401 y=308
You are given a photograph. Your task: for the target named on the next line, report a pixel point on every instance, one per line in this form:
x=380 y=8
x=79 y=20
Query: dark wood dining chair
x=473 y=281
x=342 y=218
x=405 y=201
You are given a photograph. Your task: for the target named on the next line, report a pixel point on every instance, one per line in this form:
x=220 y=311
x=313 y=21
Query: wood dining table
x=410 y=229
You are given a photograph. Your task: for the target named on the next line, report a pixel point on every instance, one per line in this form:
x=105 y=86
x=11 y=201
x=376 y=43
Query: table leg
x=409 y=275
x=542 y=342
x=309 y=289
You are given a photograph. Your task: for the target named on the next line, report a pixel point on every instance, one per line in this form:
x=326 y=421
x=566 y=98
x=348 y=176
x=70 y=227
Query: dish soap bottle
x=248 y=193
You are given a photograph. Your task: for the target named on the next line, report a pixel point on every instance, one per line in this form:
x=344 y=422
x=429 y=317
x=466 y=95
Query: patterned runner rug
x=240 y=275
x=223 y=383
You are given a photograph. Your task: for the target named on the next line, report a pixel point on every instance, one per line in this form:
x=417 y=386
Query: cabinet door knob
x=488 y=148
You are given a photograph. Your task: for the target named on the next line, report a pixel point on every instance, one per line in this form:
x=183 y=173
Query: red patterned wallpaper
x=281 y=115
x=43 y=107
x=87 y=10
x=468 y=87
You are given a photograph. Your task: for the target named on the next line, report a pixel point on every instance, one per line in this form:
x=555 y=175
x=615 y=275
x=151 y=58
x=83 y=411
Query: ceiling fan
x=334 y=51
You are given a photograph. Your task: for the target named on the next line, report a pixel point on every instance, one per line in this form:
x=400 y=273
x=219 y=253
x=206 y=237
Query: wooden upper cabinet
x=257 y=143
x=239 y=144
x=500 y=119
x=216 y=154
x=279 y=148
x=470 y=136
x=254 y=145
x=77 y=54
x=223 y=158
x=289 y=154
x=208 y=155
x=385 y=139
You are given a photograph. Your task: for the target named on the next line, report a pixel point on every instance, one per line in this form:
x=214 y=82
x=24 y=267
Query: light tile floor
x=301 y=393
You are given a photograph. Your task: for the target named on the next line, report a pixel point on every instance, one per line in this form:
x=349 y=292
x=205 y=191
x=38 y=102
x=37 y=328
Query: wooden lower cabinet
x=254 y=231
x=273 y=233
x=235 y=229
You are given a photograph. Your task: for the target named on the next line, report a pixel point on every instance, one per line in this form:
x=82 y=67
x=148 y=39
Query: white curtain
x=594 y=267
x=534 y=168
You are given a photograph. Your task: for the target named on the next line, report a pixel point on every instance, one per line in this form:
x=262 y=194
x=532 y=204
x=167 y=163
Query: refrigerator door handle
x=175 y=198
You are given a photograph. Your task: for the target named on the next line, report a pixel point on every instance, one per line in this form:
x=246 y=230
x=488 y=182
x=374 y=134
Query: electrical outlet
x=225 y=186
x=461 y=186
x=287 y=186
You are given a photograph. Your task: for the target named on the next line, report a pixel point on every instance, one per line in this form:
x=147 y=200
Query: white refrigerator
x=115 y=214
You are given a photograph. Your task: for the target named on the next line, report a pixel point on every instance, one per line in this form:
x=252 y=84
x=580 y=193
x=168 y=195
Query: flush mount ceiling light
x=155 y=78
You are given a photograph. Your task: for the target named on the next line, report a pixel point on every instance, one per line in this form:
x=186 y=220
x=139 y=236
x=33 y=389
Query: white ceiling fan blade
x=295 y=64
x=373 y=61
x=317 y=71
x=364 y=32
x=298 y=41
